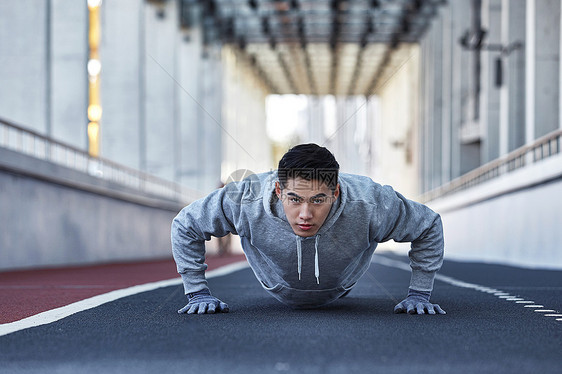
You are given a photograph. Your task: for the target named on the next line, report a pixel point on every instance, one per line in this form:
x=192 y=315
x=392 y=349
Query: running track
x=500 y=319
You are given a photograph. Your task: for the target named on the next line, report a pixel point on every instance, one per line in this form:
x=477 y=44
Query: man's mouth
x=304 y=226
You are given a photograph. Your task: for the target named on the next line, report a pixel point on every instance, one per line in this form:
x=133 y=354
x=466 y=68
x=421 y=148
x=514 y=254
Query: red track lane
x=28 y=292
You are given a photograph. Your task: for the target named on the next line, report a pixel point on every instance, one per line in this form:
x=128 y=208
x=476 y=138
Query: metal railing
x=542 y=148
x=32 y=143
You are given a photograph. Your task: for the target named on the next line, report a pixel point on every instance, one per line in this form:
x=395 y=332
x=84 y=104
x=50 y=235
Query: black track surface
x=481 y=333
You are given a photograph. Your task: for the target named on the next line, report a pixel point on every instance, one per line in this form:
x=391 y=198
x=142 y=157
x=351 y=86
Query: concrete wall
x=56 y=216
x=514 y=219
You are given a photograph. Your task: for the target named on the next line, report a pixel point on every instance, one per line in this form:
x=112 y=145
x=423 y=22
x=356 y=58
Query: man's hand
x=418 y=302
x=202 y=302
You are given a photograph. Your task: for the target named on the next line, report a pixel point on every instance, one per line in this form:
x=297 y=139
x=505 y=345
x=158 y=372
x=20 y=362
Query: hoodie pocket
x=305 y=298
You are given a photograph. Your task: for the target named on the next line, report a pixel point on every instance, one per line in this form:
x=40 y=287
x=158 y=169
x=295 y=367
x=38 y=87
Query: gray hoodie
x=307 y=272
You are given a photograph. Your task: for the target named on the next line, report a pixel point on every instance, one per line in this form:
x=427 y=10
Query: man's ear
x=278 y=189
x=337 y=191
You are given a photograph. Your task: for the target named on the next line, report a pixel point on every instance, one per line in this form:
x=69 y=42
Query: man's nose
x=305 y=212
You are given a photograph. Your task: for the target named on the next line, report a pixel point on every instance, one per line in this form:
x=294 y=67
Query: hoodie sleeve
x=196 y=223
x=405 y=220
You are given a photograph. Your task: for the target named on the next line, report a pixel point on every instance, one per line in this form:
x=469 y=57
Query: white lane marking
x=54 y=315
x=379 y=259
x=553 y=315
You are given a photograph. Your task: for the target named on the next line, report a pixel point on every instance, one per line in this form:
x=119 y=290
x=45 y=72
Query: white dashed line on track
x=458 y=283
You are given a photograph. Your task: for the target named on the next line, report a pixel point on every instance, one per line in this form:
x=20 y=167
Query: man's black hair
x=309 y=162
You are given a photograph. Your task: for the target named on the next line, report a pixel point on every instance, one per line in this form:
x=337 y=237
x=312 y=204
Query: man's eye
x=318 y=201
x=294 y=200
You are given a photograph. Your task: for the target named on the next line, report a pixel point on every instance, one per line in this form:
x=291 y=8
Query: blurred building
x=490 y=128
x=169 y=96
x=114 y=114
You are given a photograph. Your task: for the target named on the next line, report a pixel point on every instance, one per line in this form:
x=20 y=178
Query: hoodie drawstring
x=316 y=267
x=299 y=258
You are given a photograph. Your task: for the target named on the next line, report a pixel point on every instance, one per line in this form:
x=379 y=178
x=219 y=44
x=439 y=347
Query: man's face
x=306 y=204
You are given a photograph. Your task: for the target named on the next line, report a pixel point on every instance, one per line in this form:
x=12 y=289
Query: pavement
x=500 y=319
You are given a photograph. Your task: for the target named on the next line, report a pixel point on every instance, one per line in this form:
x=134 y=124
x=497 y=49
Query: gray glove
x=418 y=302
x=202 y=302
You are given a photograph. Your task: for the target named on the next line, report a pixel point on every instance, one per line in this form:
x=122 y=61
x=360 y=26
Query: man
x=308 y=233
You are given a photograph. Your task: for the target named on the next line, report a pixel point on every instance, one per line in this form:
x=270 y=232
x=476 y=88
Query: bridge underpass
x=455 y=104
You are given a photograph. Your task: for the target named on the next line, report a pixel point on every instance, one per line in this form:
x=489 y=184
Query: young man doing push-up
x=308 y=233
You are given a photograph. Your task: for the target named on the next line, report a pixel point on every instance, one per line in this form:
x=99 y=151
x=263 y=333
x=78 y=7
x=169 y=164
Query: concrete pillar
x=161 y=22
x=490 y=95
x=560 y=72
x=122 y=81
x=354 y=125
x=422 y=113
x=374 y=118
x=210 y=118
x=189 y=55
x=315 y=120
x=244 y=137
x=437 y=107
x=362 y=135
x=459 y=79
x=512 y=92
x=448 y=40
x=25 y=63
x=471 y=132
x=398 y=133
x=69 y=79
x=543 y=68
x=426 y=159
x=333 y=143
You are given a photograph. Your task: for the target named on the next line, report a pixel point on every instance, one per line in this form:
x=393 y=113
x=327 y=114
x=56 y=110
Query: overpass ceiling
x=321 y=47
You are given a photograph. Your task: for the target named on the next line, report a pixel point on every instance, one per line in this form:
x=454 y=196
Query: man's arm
x=195 y=224
x=409 y=221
